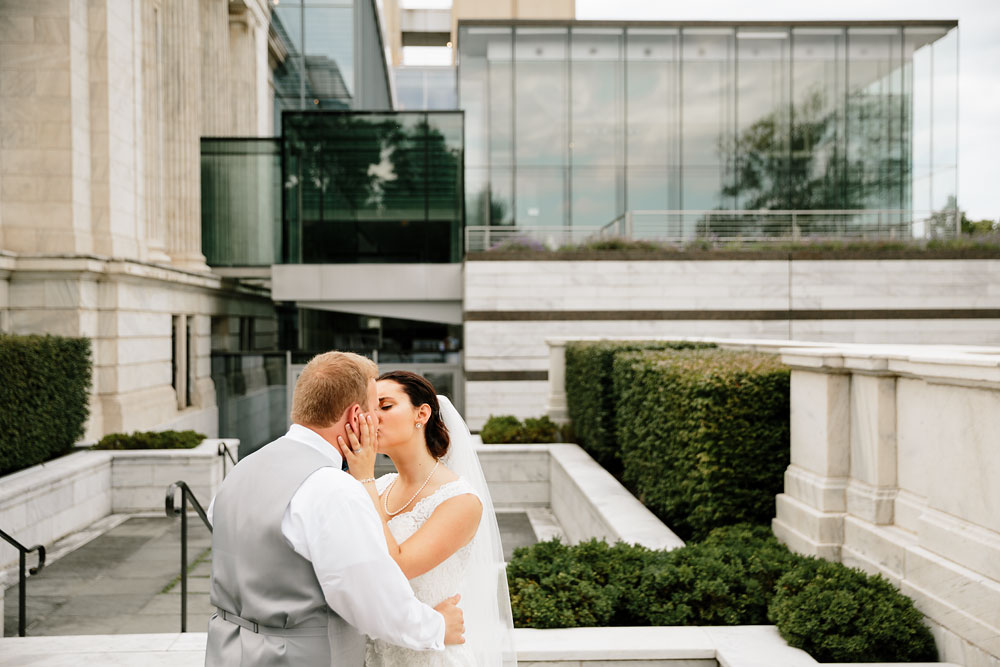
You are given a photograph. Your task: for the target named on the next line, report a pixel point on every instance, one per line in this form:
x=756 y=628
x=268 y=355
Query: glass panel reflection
x=372 y=187
x=577 y=124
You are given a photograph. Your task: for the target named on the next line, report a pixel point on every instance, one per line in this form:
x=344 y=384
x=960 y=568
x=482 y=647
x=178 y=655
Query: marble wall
x=511 y=307
x=128 y=310
x=102 y=107
x=894 y=461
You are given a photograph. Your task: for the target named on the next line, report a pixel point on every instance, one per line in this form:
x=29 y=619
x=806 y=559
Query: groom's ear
x=354 y=417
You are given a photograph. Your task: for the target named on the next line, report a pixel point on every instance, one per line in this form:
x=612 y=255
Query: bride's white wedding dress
x=431 y=587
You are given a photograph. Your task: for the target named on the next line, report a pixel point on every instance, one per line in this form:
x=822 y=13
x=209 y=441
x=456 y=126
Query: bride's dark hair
x=420 y=391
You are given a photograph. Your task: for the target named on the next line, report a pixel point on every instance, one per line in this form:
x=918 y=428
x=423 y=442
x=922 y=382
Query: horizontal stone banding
x=797 y=314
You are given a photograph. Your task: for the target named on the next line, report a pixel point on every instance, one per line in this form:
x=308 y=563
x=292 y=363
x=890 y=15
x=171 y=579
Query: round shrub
x=553 y=585
x=504 y=429
x=507 y=429
x=839 y=614
x=727 y=579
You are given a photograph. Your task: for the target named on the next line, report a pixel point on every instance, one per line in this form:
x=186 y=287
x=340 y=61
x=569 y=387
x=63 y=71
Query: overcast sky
x=979 y=63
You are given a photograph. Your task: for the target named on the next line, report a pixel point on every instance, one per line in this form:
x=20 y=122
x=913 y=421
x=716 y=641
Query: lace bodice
x=431 y=587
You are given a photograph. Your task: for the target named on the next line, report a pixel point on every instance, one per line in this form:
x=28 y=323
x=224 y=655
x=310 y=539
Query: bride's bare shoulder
x=445 y=475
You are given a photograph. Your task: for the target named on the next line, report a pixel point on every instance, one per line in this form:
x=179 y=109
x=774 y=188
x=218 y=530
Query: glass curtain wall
x=574 y=125
x=241 y=201
x=332 y=56
x=372 y=187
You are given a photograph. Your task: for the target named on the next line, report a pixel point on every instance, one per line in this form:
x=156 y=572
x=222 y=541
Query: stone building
x=102 y=108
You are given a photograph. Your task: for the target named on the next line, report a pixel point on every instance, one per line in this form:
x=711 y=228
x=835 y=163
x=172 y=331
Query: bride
x=438 y=517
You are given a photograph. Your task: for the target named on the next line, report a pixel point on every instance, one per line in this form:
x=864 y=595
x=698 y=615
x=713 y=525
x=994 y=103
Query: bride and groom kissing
x=314 y=565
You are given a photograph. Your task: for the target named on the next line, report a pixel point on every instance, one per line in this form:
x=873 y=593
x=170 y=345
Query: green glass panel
x=373 y=187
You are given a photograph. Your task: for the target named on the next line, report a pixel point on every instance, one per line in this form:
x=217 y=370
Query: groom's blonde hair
x=329 y=384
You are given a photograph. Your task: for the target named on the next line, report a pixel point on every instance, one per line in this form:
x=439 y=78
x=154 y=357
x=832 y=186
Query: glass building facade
x=331 y=56
x=577 y=123
x=336 y=187
x=425 y=88
x=372 y=187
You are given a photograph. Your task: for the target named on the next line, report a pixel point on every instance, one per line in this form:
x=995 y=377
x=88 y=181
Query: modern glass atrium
x=578 y=123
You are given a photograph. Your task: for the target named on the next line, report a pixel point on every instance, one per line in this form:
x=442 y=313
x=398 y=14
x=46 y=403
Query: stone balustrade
x=895 y=453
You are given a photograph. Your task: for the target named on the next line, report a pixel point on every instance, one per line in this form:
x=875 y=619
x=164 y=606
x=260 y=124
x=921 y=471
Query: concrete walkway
x=124 y=581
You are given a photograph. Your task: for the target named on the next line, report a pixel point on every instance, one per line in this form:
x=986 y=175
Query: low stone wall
x=46 y=502
x=742 y=646
x=511 y=307
x=587 y=500
x=895 y=457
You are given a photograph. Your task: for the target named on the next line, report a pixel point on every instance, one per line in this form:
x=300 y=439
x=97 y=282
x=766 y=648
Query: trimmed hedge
x=589 y=393
x=43 y=397
x=739 y=575
x=837 y=614
x=151 y=440
x=704 y=434
x=507 y=429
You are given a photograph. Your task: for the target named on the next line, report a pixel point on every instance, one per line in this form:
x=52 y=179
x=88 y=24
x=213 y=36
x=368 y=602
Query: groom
x=300 y=569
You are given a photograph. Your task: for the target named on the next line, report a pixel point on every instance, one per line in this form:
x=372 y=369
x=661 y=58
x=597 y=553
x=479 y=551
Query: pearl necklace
x=385 y=498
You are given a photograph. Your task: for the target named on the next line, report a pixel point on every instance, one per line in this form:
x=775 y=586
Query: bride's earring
x=419 y=425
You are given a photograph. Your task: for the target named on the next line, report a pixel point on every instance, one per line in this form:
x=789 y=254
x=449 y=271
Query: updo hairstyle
x=420 y=391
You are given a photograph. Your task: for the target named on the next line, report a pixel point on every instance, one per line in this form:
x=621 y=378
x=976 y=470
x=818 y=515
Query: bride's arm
x=453 y=523
x=451 y=526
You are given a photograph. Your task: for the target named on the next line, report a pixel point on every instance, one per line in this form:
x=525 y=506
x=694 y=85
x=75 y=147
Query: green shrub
x=590 y=397
x=704 y=434
x=727 y=579
x=151 y=440
x=553 y=585
x=738 y=575
x=837 y=614
x=43 y=397
x=507 y=429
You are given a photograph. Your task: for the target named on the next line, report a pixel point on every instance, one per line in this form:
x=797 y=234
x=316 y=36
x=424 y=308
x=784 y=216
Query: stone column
x=557 y=408
x=243 y=69
x=810 y=513
x=152 y=149
x=216 y=109
x=182 y=132
x=872 y=489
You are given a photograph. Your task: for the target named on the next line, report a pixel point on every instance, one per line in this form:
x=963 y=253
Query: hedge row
x=151 y=440
x=508 y=429
x=589 y=393
x=43 y=397
x=703 y=434
x=739 y=575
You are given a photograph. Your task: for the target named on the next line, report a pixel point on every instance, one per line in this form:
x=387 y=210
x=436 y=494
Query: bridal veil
x=489 y=626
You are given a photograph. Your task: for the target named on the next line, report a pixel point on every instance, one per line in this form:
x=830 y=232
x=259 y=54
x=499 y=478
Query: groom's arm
x=332 y=523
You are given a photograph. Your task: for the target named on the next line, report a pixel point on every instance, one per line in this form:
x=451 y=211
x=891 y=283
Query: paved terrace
x=121 y=576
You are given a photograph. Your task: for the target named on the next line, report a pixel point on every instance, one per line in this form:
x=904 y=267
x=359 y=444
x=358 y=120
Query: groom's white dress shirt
x=330 y=521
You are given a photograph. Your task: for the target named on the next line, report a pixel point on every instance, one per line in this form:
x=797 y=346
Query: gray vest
x=272 y=607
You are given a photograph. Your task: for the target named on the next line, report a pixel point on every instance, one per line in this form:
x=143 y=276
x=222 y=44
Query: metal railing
x=726 y=226
x=172 y=511
x=479 y=239
x=225 y=453
x=22 y=580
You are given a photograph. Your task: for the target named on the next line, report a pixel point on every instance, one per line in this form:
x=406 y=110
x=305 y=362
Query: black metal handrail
x=22 y=582
x=172 y=511
x=224 y=453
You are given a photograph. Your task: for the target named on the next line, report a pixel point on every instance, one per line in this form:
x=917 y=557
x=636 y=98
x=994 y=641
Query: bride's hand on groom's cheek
x=360 y=448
